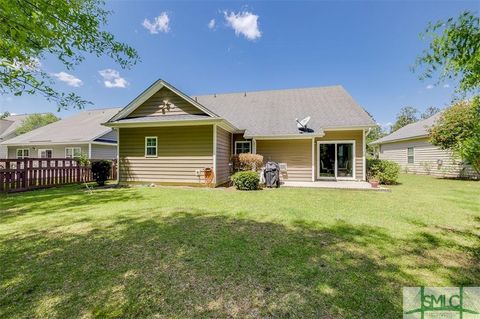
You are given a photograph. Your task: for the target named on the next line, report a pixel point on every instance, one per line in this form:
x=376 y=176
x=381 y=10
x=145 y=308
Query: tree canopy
x=407 y=115
x=453 y=52
x=35 y=121
x=458 y=130
x=67 y=30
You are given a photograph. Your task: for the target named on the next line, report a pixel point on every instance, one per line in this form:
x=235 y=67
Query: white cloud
x=245 y=23
x=112 y=79
x=446 y=86
x=429 y=87
x=212 y=24
x=159 y=24
x=68 y=79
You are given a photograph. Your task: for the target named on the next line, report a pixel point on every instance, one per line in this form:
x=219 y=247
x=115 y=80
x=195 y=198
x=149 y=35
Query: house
x=168 y=137
x=82 y=133
x=411 y=149
x=8 y=128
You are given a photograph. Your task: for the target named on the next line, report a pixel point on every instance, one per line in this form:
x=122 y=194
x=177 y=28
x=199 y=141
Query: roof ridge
x=272 y=90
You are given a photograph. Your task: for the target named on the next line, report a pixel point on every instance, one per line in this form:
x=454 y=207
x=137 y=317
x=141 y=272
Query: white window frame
x=156 y=146
x=354 y=169
x=413 y=155
x=23 y=153
x=73 y=148
x=40 y=150
x=243 y=142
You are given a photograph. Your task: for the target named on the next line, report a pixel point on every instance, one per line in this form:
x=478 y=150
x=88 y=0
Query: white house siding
x=3 y=151
x=426 y=159
x=57 y=150
x=108 y=152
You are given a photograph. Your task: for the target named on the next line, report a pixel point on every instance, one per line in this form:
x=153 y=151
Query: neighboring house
x=82 y=133
x=8 y=127
x=410 y=148
x=167 y=137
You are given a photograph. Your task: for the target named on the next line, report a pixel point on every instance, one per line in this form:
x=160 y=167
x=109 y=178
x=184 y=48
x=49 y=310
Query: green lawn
x=181 y=252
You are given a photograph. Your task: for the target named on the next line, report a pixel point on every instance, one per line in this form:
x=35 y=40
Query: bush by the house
x=246 y=181
x=247 y=162
x=101 y=171
x=385 y=171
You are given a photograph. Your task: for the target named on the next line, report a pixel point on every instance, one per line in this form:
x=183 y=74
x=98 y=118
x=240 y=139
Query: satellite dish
x=302 y=124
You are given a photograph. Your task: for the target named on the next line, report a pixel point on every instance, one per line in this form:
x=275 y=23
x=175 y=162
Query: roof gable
x=161 y=98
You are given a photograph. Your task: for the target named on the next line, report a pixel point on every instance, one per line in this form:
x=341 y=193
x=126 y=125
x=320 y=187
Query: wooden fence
x=31 y=173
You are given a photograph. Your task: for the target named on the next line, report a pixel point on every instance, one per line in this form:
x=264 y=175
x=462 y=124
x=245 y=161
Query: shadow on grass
x=202 y=266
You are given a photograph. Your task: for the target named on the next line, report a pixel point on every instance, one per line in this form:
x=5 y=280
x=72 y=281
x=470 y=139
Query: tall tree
x=65 y=29
x=407 y=115
x=453 y=52
x=429 y=112
x=374 y=134
x=35 y=121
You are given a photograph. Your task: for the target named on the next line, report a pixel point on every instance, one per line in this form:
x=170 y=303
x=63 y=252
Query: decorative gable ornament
x=166 y=106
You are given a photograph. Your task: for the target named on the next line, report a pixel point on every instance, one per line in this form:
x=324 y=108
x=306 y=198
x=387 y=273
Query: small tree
x=407 y=115
x=4 y=115
x=458 y=130
x=429 y=112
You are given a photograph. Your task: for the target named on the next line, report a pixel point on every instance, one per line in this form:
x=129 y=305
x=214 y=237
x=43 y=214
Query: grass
x=180 y=252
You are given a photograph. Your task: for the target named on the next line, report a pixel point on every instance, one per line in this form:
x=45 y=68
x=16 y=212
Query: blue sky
x=368 y=47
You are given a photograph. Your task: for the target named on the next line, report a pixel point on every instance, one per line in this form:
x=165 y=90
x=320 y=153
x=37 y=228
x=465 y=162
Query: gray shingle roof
x=82 y=127
x=266 y=113
x=417 y=129
x=15 y=121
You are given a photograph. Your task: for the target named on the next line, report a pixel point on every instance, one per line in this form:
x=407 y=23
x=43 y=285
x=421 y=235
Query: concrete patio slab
x=355 y=185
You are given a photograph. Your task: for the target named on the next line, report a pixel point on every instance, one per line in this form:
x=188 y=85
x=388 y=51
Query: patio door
x=336 y=160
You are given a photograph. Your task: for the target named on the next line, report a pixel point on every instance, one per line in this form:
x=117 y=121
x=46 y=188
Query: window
x=151 y=146
x=23 y=153
x=73 y=152
x=410 y=155
x=45 y=153
x=243 y=147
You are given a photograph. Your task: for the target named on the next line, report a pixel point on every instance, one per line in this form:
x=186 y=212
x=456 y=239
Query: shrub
x=101 y=171
x=386 y=171
x=246 y=181
x=247 y=162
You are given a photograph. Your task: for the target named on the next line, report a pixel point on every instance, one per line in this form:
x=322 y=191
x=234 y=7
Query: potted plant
x=374 y=181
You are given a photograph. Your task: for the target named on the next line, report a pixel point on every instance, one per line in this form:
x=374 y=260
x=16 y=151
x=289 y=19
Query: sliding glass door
x=336 y=160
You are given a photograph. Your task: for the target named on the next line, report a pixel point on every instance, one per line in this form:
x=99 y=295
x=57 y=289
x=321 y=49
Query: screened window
x=410 y=155
x=23 y=153
x=151 y=146
x=73 y=152
x=243 y=147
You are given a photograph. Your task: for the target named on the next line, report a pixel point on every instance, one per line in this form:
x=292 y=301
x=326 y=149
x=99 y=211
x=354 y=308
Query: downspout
x=365 y=152
x=313 y=159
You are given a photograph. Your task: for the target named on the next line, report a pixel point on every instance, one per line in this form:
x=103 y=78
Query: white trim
x=284 y=137
x=208 y=121
x=156 y=146
x=237 y=142
x=44 y=149
x=313 y=159
x=214 y=153
x=254 y=146
x=104 y=143
x=36 y=143
x=364 y=159
x=23 y=153
x=336 y=173
x=89 y=150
